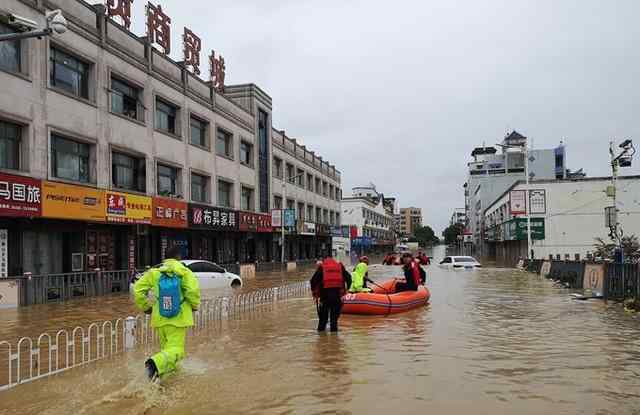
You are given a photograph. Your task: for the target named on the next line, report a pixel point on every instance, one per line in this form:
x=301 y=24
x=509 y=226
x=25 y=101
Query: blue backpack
x=169 y=293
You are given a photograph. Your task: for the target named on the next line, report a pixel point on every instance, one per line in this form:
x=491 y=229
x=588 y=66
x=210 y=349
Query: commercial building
x=110 y=151
x=491 y=173
x=409 y=219
x=370 y=216
x=458 y=217
x=566 y=217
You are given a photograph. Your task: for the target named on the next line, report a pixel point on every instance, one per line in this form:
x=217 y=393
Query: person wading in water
x=328 y=285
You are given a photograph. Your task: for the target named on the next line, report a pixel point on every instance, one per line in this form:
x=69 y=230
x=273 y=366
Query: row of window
x=72 y=160
x=305 y=180
x=72 y=75
x=376 y=218
x=311 y=213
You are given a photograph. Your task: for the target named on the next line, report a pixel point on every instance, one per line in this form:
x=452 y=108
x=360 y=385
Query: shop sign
x=353 y=232
x=289 y=218
x=169 y=213
x=128 y=208
x=306 y=228
x=363 y=241
x=255 y=222
x=209 y=217
x=132 y=252
x=20 y=196
x=516 y=229
x=4 y=253
x=323 y=230
x=537 y=202
x=66 y=201
x=517 y=202
x=276 y=218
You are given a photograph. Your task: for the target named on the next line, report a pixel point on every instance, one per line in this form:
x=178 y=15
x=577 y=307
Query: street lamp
x=27 y=28
x=621 y=160
x=525 y=150
x=284 y=205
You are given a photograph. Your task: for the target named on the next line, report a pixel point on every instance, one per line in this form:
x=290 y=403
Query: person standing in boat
x=414 y=275
x=360 y=276
x=328 y=285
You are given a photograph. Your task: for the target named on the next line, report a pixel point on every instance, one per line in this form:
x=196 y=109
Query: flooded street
x=491 y=341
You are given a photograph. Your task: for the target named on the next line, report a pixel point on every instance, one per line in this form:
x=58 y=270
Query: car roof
x=462 y=256
x=192 y=261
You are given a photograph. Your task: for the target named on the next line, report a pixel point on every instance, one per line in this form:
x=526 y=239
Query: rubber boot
x=151 y=369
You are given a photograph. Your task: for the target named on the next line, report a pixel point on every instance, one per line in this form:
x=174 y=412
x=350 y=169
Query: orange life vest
x=332 y=274
x=415 y=269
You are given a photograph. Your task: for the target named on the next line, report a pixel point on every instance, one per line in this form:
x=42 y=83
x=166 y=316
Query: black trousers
x=329 y=311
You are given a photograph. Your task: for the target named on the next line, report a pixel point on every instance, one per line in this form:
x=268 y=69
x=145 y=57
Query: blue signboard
x=363 y=241
x=289 y=218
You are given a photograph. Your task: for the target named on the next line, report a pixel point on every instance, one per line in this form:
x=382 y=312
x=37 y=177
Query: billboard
x=537 y=202
x=66 y=201
x=128 y=208
x=517 y=202
x=276 y=218
x=20 y=196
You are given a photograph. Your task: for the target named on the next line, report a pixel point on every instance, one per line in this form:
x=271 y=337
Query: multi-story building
x=491 y=173
x=409 y=219
x=458 y=217
x=372 y=215
x=110 y=152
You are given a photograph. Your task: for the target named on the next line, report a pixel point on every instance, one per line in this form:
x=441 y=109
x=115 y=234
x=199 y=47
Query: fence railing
x=31 y=359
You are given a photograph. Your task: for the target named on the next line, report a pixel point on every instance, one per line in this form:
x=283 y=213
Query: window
x=337 y=219
x=246 y=153
x=224 y=143
x=246 y=199
x=331 y=195
x=167 y=181
x=290 y=204
x=225 y=194
x=128 y=172
x=9 y=51
x=124 y=99
x=300 y=210
x=300 y=178
x=310 y=212
x=9 y=144
x=318 y=215
x=290 y=173
x=325 y=191
x=325 y=216
x=199 y=188
x=277 y=202
x=277 y=167
x=318 y=188
x=69 y=73
x=166 y=116
x=310 y=182
x=198 y=131
x=202 y=266
x=70 y=159
x=332 y=218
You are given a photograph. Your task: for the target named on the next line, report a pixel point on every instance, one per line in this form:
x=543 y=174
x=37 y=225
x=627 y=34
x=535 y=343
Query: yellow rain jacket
x=357 y=278
x=190 y=294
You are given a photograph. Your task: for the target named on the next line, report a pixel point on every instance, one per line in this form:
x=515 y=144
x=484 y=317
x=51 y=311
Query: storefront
x=256 y=236
x=214 y=233
x=169 y=227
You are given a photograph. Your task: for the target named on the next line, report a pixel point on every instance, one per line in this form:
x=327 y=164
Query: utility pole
x=284 y=207
x=527 y=208
x=621 y=160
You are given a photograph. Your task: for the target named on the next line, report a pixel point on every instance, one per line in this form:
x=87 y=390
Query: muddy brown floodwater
x=495 y=341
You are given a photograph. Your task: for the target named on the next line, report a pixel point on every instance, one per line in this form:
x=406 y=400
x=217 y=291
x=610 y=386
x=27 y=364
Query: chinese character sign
x=20 y=196
x=128 y=208
x=158 y=27
x=121 y=9
x=217 y=71
x=209 y=217
x=192 y=47
x=169 y=213
x=4 y=253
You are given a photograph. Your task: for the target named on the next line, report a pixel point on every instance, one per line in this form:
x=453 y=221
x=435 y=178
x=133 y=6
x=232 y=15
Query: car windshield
x=465 y=259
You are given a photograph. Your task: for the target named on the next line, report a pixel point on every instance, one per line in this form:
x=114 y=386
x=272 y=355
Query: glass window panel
x=224 y=194
x=70 y=159
x=9 y=51
x=198 y=130
x=9 y=145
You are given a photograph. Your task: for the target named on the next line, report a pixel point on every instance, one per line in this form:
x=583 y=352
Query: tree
x=451 y=233
x=630 y=246
x=425 y=236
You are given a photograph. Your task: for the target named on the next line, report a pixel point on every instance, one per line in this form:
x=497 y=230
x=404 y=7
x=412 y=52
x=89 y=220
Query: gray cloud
x=398 y=93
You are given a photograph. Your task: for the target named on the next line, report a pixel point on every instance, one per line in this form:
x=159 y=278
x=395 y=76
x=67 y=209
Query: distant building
x=372 y=214
x=458 y=216
x=566 y=217
x=491 y=173
x=410 y=219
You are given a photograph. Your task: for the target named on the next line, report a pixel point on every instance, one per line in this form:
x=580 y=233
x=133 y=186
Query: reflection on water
x=493 y=341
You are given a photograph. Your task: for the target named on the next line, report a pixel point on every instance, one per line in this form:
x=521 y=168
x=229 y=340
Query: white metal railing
x=29 y=359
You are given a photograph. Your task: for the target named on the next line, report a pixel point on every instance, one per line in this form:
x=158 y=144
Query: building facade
x=409 y=219
x=110 y=152
x=491 y=173
x=370 y=217
x=458 y=217
x=566 y=217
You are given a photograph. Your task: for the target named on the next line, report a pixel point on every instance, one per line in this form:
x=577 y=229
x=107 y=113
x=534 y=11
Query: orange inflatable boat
x=384 y=300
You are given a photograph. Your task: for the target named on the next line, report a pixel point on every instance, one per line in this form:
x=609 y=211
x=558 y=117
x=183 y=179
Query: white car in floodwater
x=210 y=275
x=459 y=263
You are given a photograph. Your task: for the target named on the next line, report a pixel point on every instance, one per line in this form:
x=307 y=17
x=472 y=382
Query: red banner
x=255 y=222
x=20 y=196
x=169 y=213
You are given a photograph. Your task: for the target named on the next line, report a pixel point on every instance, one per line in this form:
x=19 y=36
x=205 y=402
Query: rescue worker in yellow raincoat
x=359 y=277
x=177 y=295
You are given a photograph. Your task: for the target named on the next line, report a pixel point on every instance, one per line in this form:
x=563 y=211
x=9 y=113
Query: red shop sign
x=255 y=222
x=20 y=196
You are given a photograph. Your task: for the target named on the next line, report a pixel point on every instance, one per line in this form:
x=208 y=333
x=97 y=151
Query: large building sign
x=517 y=202
x=169 y=213
x=66 y=201
x=121 y=9
x=217 y=71
x=128 y=208
x=209 y=217
x=255 y=222
x=158 y=27
x=537 y=202
x=191 y=49
x=20 y=196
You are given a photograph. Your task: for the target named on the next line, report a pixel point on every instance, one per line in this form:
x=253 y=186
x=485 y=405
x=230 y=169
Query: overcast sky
x=398 y=93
